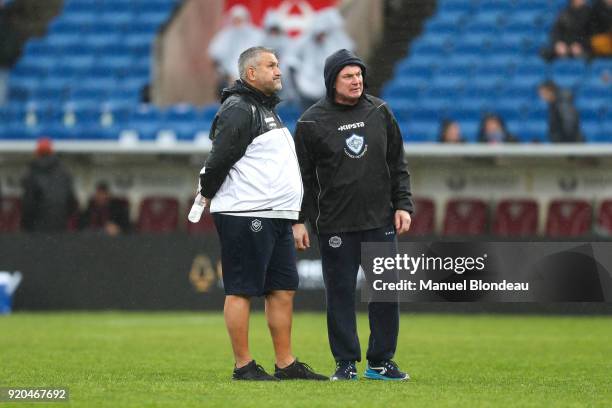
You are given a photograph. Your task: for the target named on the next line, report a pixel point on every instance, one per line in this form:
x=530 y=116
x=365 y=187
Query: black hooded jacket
x=352 y=160
x=48 y=197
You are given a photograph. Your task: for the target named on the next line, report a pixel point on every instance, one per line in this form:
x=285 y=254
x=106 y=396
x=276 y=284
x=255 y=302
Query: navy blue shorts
x=257 y=255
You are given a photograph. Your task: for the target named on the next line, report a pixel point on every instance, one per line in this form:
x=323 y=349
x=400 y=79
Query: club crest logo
x=355 y=146
x=335 y=241
x=256 y=225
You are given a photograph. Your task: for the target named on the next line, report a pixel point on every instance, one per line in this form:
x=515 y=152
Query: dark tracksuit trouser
x=341 y=256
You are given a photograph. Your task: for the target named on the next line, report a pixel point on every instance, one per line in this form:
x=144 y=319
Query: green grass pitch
x=184 y=360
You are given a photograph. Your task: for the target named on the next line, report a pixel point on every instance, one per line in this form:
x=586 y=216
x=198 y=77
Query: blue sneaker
x=345 y=370
x=385 y=370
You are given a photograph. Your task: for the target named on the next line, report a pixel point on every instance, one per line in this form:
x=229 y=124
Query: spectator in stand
x=227 y=45
x=324 y=37
x=563 y=118
x=450 y=132
x=277 y=39
x=493 y=130
x=105 y=213
x=9 y=46
x=570 y=34
x=601 y=28
x=48 y=196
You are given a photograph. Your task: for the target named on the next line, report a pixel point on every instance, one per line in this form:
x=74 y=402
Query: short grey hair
x=249 y=57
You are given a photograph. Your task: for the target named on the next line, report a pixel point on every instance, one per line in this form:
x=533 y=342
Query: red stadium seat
x=158 y=214
x=604 y=218
x=423 y=217
x=206 y=224
x=516 y=218
x=465 y=217
x=568 y=218
x=10 y=214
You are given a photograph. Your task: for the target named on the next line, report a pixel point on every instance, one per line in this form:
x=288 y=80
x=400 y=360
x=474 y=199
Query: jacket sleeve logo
x=355 y=146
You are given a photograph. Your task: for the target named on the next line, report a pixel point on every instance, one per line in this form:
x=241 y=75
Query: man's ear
x=251 y=73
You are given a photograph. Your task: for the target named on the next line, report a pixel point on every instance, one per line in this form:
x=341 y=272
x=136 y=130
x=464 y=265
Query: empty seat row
x=513 y=218
x=156 y=214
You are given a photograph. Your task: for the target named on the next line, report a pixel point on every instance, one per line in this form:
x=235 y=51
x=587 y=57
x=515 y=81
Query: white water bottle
x=197 y=209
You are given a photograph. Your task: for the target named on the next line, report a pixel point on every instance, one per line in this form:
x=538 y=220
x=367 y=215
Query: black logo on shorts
x=256 y=225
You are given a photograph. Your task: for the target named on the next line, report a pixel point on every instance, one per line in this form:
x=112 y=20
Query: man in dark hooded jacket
x=356 y=190
x=563 y=118
x=48 y=197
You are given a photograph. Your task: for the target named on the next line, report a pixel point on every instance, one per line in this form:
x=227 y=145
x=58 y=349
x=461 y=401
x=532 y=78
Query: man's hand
x=300 y=237
x=402 y=222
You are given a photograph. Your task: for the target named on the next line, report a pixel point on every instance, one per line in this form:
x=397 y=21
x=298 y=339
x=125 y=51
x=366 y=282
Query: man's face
x=349 y=84
x=101 y=197
x=266 y=75
x=546 y=94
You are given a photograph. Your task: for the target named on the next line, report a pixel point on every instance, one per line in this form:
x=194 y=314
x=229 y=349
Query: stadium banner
x=84 y=271
x=81 y=271
x=542 y=272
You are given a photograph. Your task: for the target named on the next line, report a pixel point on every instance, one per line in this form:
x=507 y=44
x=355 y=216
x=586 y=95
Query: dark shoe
x=298 y=371
x=252 y=372
x=385 y=370
x=345 y=370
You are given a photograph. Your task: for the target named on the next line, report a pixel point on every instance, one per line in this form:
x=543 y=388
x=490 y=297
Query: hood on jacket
x=334 y=64
x=242 y=88
x=44 y=164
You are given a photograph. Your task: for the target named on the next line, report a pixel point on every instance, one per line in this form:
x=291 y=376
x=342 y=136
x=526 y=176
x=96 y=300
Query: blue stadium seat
x=401 y=105
x=435 y=40
x=78 y=6
x=442 y=28
x=473 y=41
x=464 y=113
x=435 y=103
x=495 y=6
x=99 y=40
x=153 y=5
x=425 y=114
x=62 y=40
x=406 y=86
x=87 y=95
x=490 y=17
x=508 y=113
x=532 y=131
x=538 y=113
x=152 y=17
x=82 y=18
x=142 y=27
x=529 y=81
x=65 y=28
x=524 y=19
x=414 y=71
x=590 y=130
x=117 y=18
x=418 y=132
x=588 y=102
x=482 y=28
x=532 y=6
x=450 y=16
x=450 y=6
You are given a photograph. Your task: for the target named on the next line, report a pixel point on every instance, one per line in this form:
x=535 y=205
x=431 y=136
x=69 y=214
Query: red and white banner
x=295 y=14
